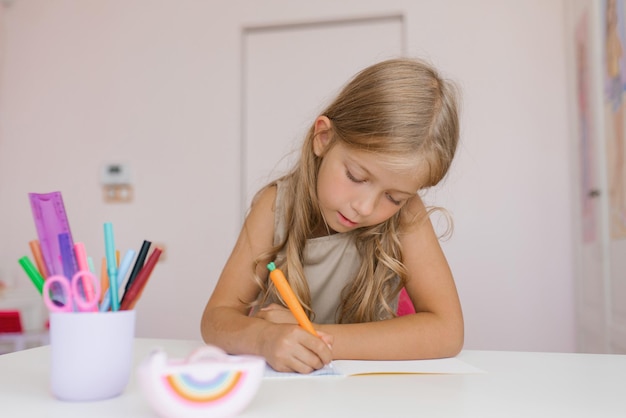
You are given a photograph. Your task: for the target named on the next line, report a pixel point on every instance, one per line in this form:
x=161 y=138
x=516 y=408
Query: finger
x=306 y=362
x=327 y=338
x=319 y=350
x=301 y=352
x=276 y=307
x=327 y=356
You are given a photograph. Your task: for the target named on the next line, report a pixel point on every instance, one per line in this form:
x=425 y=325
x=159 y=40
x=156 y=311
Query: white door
x=290 y=74
x=600 y=76
x=591 y=287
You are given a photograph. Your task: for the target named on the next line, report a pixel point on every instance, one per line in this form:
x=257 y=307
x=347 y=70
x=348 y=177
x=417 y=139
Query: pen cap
x=32 y=272
x=109 y=245
x=141 y=258
x=290 y=298
x=81 y=256
x=134 y=292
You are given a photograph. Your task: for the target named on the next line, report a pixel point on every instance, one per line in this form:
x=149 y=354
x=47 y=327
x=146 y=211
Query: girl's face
x=356 y=189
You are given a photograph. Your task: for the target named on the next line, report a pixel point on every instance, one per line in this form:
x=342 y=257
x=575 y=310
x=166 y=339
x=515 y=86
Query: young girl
x=349 y=230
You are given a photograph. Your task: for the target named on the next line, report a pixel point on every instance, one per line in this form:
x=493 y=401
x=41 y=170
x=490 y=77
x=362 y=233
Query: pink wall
x=157 y=85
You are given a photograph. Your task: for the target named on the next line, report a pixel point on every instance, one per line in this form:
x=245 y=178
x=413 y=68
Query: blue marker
x=92 y=267
x=109 y=245
x=124 y=267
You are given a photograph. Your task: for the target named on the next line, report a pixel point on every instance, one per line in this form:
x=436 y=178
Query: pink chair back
x=405 y=306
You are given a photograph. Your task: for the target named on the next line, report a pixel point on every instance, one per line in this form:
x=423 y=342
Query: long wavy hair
x=404 y=111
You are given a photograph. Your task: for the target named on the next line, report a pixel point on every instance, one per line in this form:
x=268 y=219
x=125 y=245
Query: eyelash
x=352 y=178
x=394 y=201
x=355 y=180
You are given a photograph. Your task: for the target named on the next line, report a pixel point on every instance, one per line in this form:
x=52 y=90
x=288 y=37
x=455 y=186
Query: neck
x=322 y=229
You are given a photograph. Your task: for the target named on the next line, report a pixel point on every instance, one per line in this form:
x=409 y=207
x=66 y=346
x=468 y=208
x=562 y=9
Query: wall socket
x=115 y=174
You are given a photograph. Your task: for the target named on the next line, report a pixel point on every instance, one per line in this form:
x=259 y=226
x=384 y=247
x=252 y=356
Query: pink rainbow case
x=208 y=383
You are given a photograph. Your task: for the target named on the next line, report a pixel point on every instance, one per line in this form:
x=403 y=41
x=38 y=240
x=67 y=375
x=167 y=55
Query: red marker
x=134 y=292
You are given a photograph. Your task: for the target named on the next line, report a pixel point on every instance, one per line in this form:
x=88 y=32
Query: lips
x=345 y=221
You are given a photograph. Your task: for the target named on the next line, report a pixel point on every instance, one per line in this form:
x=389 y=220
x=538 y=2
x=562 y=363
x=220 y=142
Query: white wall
x=156 y=84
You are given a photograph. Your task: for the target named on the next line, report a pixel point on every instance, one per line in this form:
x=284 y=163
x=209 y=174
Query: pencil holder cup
x=209 y=383
x=92 y=354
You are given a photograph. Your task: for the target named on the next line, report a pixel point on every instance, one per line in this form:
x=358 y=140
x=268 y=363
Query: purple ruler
x=50 y=221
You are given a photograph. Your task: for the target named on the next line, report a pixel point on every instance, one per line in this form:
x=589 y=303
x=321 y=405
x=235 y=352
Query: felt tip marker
x=32 y=272
x=35 y=248
x=131 y=297
x=141 y=259
x=109 y=245
x=83 y=265
x=121 y=273
x=280 y=281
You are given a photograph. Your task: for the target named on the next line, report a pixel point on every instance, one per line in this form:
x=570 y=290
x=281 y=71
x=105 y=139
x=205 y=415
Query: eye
x=352 y=178
x=392 y=200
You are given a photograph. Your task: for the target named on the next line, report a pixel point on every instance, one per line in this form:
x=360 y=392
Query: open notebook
x=343 y=368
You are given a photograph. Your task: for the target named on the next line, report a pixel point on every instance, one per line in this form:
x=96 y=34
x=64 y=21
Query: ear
x=322 y=132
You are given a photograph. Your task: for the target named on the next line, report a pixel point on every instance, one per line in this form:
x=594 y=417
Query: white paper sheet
x=343 y=368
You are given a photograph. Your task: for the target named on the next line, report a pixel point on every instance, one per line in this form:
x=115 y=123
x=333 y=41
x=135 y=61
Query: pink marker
x=83 y=265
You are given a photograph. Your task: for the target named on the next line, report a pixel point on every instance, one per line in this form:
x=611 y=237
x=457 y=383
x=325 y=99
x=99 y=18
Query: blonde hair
x=403 y=110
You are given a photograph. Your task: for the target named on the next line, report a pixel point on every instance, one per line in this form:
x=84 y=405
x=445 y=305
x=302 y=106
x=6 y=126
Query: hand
x=277 y=314
x=289 y=348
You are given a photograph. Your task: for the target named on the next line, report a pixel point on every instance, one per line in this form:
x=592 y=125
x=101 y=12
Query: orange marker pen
x=35 y=247
x=104 y=279
x=280 y=281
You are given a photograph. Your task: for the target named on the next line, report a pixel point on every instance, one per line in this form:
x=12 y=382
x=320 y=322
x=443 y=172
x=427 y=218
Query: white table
x=516 y=384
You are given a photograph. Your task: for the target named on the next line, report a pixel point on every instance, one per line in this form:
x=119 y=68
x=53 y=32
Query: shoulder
x=257 y=234
x=413 y=215
x=264 y=203
x=416 y=233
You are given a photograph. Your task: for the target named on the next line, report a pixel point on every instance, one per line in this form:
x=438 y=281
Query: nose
x=364 y=204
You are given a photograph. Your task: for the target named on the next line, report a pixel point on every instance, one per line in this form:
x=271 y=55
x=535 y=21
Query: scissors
x=73 y=297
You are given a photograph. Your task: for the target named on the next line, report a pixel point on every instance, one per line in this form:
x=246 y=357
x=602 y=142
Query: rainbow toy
x=209 y=383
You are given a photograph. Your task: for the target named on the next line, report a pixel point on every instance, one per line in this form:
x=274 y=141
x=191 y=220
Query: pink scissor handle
x=66 y=292
x=72 y=296
x=88 y=303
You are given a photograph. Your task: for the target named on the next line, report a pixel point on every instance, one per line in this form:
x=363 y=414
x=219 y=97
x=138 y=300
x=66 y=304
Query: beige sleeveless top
x=330 y=262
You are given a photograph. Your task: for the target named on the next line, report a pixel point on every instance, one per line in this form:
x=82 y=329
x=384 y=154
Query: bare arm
x=435 y=330
x=225 y=321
